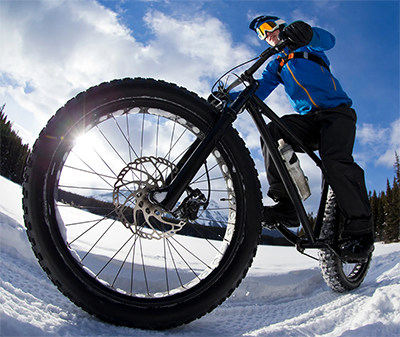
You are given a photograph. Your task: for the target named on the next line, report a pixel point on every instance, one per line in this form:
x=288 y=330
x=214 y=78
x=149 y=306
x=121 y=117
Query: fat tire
x=338 y=275
x=51 y=249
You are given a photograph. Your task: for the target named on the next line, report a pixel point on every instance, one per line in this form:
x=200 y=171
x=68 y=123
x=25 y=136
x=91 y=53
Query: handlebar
x=265 y=55
x=247 y=75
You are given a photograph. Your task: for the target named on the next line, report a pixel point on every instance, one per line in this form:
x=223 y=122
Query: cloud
x=378 y=144
x=298 y=14
x=59 y=48
x=197 y=50
x=326 y=4
x=56 y=49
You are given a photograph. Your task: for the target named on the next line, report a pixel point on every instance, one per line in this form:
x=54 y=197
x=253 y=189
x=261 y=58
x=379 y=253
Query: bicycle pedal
x=354 y=260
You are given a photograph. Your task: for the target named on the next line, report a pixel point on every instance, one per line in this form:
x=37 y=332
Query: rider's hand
x=298 y=33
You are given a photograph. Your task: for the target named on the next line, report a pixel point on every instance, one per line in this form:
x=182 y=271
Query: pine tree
x=378 y=214
x=388 y=200
x=396 y=199
x=391 y=225
x=386 y=209
x=13 y=153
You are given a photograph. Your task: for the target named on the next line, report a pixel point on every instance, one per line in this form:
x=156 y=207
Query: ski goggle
x=268 y=26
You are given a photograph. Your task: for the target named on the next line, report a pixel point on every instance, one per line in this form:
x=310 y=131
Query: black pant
x=332 y=132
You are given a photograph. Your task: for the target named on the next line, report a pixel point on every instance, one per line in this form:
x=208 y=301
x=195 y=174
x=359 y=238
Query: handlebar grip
x=283 y=36
x=285 y=41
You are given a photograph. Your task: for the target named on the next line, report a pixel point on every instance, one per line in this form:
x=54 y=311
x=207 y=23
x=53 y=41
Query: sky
x=52 y=50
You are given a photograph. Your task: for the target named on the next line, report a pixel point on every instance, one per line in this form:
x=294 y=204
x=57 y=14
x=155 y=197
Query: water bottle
x=293 y=165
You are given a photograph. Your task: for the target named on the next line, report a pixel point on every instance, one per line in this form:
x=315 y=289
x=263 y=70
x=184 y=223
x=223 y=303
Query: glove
x=298 y=33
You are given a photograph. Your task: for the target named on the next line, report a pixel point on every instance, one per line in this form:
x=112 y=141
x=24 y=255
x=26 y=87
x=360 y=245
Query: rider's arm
x=320 y=41
x=269 y=80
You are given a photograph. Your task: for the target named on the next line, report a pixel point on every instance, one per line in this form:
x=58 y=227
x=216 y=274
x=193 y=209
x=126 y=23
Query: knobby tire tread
x=330 y=264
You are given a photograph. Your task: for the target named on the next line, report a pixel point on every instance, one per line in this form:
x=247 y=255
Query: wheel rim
x=131 y=247
x=354 y=271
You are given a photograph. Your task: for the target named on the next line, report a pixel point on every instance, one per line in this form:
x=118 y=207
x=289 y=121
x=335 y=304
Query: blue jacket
x=309 y=86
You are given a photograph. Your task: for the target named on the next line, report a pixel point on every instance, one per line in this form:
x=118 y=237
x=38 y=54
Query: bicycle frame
x=200 y=150
x=178 y=236
x=256 y=109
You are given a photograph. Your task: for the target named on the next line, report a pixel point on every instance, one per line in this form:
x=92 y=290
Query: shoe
x=357 y=249
x=283 y=213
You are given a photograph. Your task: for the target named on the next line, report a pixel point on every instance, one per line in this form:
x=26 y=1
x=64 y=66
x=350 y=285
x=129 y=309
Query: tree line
x=13 y=153
x=385 y=205
x=386 y=208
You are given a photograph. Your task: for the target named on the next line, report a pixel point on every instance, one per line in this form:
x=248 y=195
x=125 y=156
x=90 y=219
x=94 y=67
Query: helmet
x=266 y=23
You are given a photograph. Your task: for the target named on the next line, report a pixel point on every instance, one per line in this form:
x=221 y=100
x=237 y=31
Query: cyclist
x=325 y=121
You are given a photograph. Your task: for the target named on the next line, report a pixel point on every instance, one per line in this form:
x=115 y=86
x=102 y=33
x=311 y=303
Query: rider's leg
x=343 y=174
x=337 y=130
x=347 y=180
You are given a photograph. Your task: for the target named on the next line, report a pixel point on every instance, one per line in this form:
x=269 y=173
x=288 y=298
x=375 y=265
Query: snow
x=282 y=295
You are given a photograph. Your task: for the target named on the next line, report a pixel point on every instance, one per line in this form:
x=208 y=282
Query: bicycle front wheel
x=97 y=234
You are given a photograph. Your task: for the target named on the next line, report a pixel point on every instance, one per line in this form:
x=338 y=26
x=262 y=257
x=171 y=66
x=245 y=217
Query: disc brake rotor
x=131 y=202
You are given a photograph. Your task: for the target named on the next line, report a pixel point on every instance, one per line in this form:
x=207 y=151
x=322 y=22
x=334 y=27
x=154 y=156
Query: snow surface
x=283 y=295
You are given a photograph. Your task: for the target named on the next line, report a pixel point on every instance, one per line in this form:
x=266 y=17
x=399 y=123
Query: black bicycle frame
x=256 y=109
x=196 y=155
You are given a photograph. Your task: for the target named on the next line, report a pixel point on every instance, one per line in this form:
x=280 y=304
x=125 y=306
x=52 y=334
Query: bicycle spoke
x=112 y=258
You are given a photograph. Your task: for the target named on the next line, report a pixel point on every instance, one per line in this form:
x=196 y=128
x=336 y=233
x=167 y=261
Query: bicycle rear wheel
x=97 y=234
x=338 y=275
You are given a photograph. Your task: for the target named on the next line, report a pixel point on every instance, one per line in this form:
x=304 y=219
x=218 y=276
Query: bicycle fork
x=195 y=157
